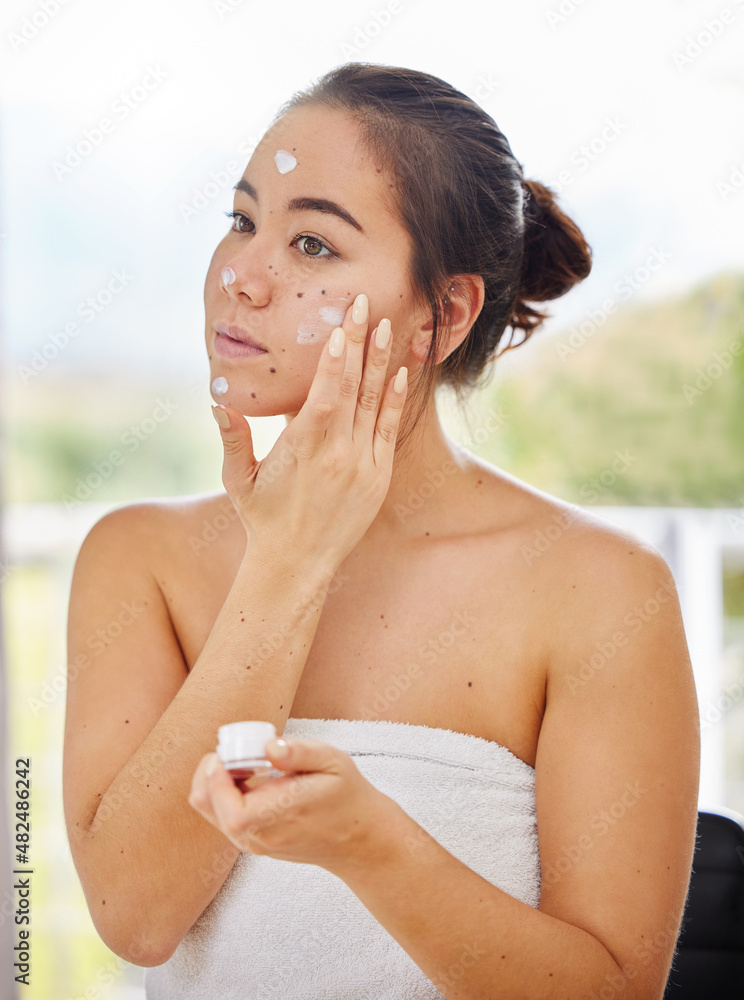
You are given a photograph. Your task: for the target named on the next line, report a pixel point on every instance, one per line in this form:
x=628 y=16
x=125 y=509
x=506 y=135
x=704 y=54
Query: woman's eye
x=312 y=246
x=238 y=218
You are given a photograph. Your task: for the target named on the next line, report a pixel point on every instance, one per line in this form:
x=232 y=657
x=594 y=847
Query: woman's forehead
x=319 y=152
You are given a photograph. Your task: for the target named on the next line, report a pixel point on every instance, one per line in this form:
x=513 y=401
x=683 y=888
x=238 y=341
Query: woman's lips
x=226 y=347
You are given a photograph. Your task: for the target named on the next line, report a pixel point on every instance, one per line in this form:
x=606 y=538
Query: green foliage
x=658 y=384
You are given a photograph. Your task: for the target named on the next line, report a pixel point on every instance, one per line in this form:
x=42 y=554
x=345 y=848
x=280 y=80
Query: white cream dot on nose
x=228 y=276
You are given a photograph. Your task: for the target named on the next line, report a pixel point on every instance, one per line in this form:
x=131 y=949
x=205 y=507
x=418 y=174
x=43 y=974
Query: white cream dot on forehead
x=284 y=161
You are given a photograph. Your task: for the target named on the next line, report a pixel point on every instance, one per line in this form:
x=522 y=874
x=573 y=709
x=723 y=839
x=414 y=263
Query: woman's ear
x=464 y=301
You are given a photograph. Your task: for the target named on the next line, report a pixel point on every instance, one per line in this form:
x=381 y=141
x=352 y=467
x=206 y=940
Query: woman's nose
x=246 y=274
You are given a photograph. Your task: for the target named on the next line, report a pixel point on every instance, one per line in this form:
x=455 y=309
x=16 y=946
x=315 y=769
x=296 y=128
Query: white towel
x=278 y=930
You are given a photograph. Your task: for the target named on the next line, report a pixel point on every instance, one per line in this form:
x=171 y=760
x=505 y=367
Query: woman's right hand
x=323 y=482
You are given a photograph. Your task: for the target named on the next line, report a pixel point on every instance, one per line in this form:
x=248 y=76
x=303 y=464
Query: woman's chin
x=251 y=406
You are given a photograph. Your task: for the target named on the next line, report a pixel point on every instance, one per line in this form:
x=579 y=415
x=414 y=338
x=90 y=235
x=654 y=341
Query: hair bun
x=555 y=255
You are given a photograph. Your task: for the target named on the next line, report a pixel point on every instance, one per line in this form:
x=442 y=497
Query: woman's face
x=299 y=261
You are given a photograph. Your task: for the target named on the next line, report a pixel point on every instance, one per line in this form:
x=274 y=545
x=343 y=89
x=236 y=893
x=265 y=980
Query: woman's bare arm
x=616 y=782
x=137 y=725
x=137 y=722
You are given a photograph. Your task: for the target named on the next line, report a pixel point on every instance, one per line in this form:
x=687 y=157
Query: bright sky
x=654 y=90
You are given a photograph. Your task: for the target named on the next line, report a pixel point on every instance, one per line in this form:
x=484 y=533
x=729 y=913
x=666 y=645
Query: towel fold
x=278 y=930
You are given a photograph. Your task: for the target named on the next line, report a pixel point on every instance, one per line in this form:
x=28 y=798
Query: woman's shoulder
x=555 y=541
x=162 y=525
x=590 y=585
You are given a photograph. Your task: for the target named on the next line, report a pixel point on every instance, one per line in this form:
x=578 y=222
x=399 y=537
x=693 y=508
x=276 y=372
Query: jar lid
x=241 y=740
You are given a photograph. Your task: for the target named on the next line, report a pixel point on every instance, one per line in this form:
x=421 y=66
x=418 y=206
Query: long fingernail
x=222 y=417
x=211 y=766
x=337 y=342
x=400 y=379
x=383 y=333
x=360 y=309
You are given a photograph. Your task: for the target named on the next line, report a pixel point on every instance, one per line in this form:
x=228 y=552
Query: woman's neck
x=427 y=482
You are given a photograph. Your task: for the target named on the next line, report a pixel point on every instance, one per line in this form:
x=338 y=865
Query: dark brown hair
x=461 y=195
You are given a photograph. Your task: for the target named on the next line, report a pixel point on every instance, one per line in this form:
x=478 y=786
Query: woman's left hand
x=328 y=815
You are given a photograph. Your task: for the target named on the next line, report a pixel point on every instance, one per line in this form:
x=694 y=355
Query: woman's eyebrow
x=306 y=204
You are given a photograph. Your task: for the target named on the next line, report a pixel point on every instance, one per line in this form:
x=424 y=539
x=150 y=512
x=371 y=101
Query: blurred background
x=628 y=401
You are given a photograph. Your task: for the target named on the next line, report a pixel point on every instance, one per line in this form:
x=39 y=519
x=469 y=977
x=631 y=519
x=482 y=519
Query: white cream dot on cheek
x=318 y=323
x=284 y=161
x=333 y=314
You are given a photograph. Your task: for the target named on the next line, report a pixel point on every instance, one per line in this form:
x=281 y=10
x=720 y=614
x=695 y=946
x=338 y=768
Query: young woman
x=486 y=696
